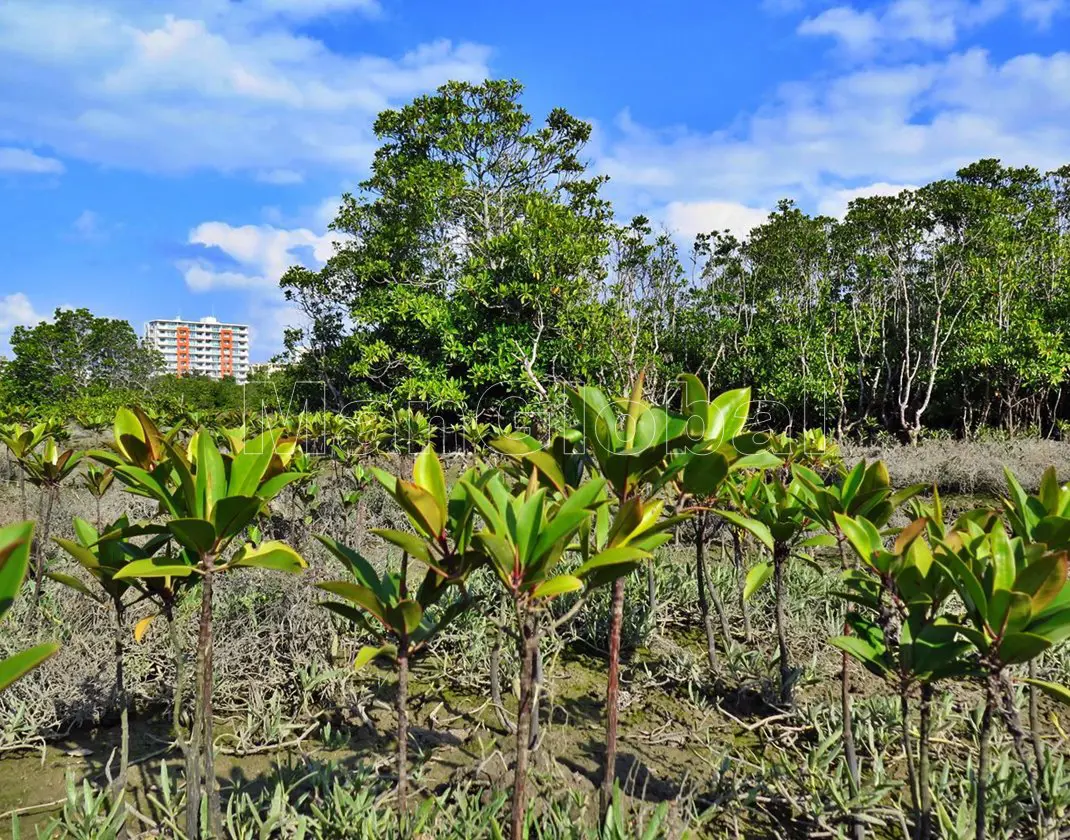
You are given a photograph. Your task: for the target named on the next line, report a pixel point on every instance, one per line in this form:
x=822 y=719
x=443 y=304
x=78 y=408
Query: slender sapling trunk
x=528 y=651
x=403 y=730
x=703 y=599
x=741 y=583
x=612 y=691
x=982 y=759
x=780 y=562
x=925 y=795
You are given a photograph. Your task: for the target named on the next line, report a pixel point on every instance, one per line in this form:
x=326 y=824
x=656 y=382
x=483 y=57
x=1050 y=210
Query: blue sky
x=166 y=157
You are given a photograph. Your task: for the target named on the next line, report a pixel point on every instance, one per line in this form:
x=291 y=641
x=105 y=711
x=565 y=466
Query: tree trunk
x=982 y=759
x=496 y=683
x=205 y=747
x=536 y=699
x=908 y=750
x=42 y=545
x=1014 y=726
x=741 y=582
x=612 y=689
x=403 y=731
x=850 y=752
x=780 y=562
x=1034 y=721
x=124 y=711
x=651 y=594
x=925 y=796
x=528 y=648
x=718 y=604
x=703 y=599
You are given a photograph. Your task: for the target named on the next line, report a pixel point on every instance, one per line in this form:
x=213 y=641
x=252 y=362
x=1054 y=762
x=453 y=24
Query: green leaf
x=1055 y=691
x=1043 y=579
x=752 y=526
x=15 y=541
x=273 y=554
x=757 y=577
x=1021 y=647
x=704 y=474
x=570 y=515
x=863 y=536
x=361 y=569
x=728 y=415
x=423 y=509
x=153 y=567
x=198 y=535
x=862 y=651
x=413 y=545
x=233 y=513
x=22 y=663
x=427 y=473
x=405 y=616
x=367 y=653
x=556 y=586
x=362 y=596
x=71 y=582
x=83 y=555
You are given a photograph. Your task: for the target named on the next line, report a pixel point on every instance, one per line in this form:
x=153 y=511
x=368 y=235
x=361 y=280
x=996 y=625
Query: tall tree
x=470 y=260
x=77 y=353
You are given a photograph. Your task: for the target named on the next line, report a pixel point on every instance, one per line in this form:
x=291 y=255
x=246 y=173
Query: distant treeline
x=480 y=269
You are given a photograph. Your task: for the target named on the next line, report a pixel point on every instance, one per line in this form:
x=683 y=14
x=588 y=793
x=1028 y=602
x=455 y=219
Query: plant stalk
x=982 y=759
x=403 y=731
x=703 y=599
x=780 y=561
x=528 y=648
x=612 y=692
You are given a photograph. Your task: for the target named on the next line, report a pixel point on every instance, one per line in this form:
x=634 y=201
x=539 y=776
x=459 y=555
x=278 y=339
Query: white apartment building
x=206 y=347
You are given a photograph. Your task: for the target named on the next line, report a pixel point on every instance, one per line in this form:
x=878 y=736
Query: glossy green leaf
x=757 y=577
x=153 y=567
x=17 y=666
x=198 y=535
x=273 y=554
x=557 y=586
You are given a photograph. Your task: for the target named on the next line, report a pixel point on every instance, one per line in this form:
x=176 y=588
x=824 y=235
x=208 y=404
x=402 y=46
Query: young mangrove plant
x=1040 y=518
x=207 y=501
x=716 y=445
x=399 y=615
x=1015 y=598
x=102 y=559
x=21 y=443
x=775 y=511
x=900 y=633
x=524 y=540
x=47 y=470
x=97 y=480
x=865 y=490
x=630 y=441
x=15 y=541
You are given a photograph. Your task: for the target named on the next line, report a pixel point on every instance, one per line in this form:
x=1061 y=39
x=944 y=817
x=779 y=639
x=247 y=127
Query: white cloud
x=23 y=160
x=87 y=225
x=690 y=218
x=15 y=310
x=934 y=23
x=316 y=8
x=261 y=254
x=280 y=177
x=855 y=30
x=904 y=124
x=835 y=203
x=224 y=86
